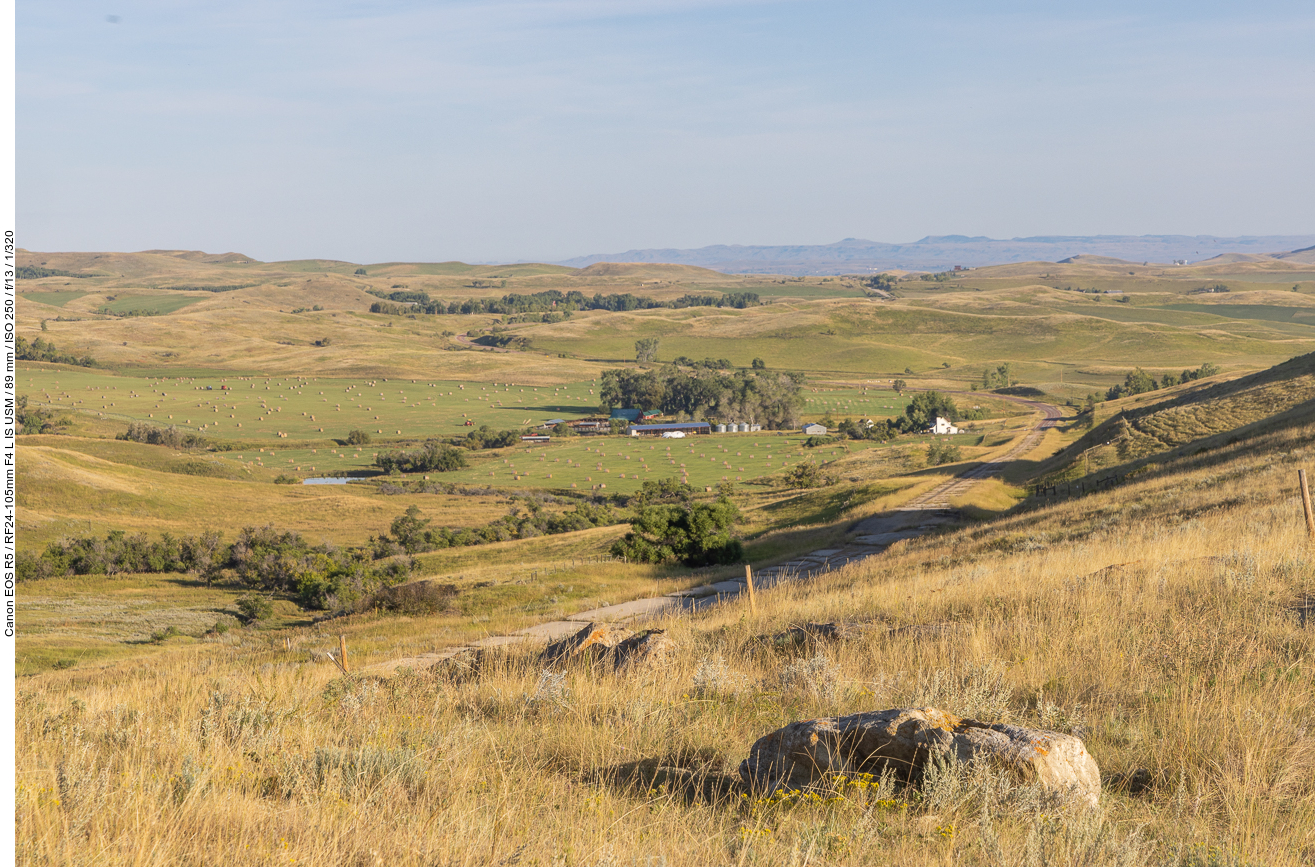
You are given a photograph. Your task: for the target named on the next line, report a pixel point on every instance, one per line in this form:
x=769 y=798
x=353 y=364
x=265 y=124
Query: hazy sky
x=544 y=129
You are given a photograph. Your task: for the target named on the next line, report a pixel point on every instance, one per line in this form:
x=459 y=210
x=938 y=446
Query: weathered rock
x=648 y=650
x=804 y=633
x=905 y=739
x=840 y=630
x=590 y=644
x=465 y=666
x=609 y=644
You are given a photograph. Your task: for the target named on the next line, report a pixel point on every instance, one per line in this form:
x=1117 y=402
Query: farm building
x=635 y=414
x=536 y=438
x=814 y=429
x=943 y=426
x=657 y=430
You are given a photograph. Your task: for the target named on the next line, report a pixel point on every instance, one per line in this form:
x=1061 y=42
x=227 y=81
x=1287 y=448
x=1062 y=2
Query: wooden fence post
x=748 y=579
x=342 y=652
x=1305 y=504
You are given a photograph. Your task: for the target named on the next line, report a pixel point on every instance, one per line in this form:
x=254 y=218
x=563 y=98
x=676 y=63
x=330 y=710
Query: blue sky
x=544 y=129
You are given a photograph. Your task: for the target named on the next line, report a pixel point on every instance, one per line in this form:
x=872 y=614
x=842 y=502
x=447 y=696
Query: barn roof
x=683 y=425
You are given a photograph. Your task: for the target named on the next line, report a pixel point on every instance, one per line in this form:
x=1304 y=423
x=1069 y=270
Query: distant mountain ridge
x=942 y=252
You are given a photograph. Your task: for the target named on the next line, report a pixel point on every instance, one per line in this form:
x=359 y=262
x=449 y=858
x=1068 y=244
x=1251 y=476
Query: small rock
x=812 y=632
x=1136 y=781
x=463 y=667
x=904 y=739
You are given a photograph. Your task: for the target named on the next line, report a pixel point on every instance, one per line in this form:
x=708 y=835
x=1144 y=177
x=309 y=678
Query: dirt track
x=868 y=538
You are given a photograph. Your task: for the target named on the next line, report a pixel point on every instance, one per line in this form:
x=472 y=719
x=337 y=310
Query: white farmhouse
x=943 y=426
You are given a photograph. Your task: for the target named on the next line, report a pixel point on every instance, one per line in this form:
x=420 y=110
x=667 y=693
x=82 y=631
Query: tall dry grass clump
x=1162 y=622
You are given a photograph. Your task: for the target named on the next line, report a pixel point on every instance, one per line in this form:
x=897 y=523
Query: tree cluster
x=485 y=437
x=927 y=406
x=527 y=519
x=880 y=282
x=35 y=419
x=41 y=350
x=434 y=456
x=1002 y=376
x=708 y=363
x=171 y=436
x=757 y=397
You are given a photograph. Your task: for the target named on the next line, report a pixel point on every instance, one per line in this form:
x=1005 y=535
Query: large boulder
x=590 y=644
x=905 y=739
x=610 y=644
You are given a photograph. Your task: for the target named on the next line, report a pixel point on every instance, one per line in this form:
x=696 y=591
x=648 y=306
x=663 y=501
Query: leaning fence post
x=748 y=579
x=1305 y=504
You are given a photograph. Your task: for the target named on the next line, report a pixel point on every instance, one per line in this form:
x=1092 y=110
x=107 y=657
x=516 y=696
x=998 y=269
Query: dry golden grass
x=73 y=493
x=1158 y=620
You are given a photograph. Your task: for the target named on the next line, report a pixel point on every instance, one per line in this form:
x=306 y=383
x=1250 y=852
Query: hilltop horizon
x=847 y=256
x=942 y=252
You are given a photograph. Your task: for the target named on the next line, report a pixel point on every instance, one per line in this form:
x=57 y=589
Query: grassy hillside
x=1165 y=620
x=292 y=318
x=1162 y=621
x=1134 y=432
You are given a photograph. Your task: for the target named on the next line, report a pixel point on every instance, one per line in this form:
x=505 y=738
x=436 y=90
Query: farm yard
x=295 y=425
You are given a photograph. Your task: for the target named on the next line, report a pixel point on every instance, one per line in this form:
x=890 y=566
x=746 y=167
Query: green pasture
x=625 y=463
x=305 y=408
x=855 y=403
x=57 y=298
x=1278 y=279
x=150 y=304
x=613 y=463
x=1263 y=312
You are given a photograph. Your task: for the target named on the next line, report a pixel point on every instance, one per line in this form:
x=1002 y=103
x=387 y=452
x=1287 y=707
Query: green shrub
x=807 y=475
x=696 y=535
x=160 y=636
x=255 y=608
x=942 y=453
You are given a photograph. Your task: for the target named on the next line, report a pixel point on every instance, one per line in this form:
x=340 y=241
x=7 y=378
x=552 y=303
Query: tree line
x=261 y=558
x=327 y=577
x=41 y=350
x=437 y=455
x=400 y=303
x=1140 y=382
